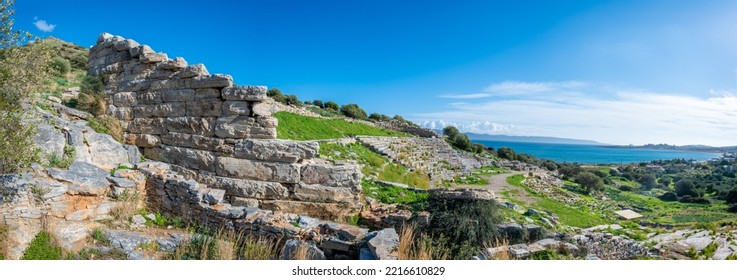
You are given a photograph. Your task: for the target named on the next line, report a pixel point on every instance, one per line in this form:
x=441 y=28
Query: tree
x=292 y=100
x=379 y=117
x=330 y=105
x=23 y=68
x=506 y=153
x=665 y=181
x=318 y=103
x=277 y=95
x=589 y=181
x=450 y=131
x=647 y=181
x=685 y=187
x=462 y=142
x=353 y=111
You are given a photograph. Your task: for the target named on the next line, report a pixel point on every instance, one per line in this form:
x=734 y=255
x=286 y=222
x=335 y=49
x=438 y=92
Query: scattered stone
x=385 y=244
x=292 y=248
x=138 y=220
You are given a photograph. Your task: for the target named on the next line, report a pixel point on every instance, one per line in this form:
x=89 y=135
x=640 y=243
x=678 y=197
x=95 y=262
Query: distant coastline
x=666 y=147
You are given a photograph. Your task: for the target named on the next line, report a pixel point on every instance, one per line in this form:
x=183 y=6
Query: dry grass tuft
x=127 y=206
x=413 y=247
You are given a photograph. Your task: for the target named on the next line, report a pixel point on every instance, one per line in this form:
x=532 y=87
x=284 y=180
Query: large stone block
x=205 y=108
x=251 y=188
x=125 y=99
x=207 y=93
x=150 y=97
x=190 y=158
x=134 y=85
x=142 y=140
x=193 y=71
x=234 y=126
x=176 y=95
x=197 y=142
x=172 y=109
x=267 y=122
x=167 y=84
x=384 y=245
x=146 y=57
x=191 y=125
x=236 y=108
x=264 y=109
x=257 y=170
x=125 y=45
x=275 y=150
x=147 y=126
x=120 y=113
x=172 y=64
x=210 y=81
x=318 y=193
x=341 y=176
x=245 y=93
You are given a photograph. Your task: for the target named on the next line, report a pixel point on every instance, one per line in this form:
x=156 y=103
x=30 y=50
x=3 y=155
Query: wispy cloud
x=511 y=88
x=43 y=25
x=596 y=112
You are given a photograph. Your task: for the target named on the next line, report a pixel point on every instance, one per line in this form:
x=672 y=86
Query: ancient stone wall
x=218 y=133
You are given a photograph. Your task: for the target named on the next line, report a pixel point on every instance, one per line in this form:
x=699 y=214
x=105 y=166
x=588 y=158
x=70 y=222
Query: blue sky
x=613 y=71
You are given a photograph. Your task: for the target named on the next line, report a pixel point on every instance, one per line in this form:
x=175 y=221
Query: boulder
x=214 y=196
x=251 y=188
x=341 y=176
x=50 y=141
x=384 y=244
x=245 y=93
x=105 y=152
x=84 y=178
x=276 y=150
x=292 y=250
x=257 y=170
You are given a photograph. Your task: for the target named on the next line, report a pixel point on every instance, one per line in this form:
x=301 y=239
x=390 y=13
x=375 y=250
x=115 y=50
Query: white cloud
x=43 y=25
x=597 y=112
x=512 y=88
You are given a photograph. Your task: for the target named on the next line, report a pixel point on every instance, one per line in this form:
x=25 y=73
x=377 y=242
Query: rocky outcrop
x=215 y=132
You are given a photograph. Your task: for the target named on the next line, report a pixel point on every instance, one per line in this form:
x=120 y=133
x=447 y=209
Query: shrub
x=468 y=224
x=318 y=103
x=79 y=61
x=669 y=196
x=331 y=106
x=92 y=96
x=60 y=65
x=647 y=181
x=293 y=100
x=685 y=187
x=506 y=153
x=41 y=248
x=691 y=199
x=589 y=181
x=108 y=125
x=353 y=111
x=277 y=95
x=732 y=208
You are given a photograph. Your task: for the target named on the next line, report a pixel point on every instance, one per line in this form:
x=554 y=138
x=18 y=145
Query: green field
x=297 y=127
x=374 y=164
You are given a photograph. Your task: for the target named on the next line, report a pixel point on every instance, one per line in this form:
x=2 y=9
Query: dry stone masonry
x=219 y=133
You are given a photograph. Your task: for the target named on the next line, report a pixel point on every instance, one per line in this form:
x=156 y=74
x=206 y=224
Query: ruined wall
x=215 y=132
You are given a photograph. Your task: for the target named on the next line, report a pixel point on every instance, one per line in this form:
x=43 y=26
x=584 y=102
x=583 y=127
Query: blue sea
x=593 y=154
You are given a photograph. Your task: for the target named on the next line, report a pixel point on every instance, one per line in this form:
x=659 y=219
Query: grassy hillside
x=298 y=127
x=374 y=164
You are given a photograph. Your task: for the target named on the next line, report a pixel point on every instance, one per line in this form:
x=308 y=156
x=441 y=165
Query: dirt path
x=498 y=184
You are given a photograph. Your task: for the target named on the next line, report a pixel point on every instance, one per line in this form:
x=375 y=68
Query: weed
x=120 y=167
x=127 y=205
x=42 y=248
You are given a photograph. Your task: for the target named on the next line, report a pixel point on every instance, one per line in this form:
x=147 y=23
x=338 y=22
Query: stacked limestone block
x=222 y=133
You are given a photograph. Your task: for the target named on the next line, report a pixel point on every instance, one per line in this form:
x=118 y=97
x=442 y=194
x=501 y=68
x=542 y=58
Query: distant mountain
x=531 y=139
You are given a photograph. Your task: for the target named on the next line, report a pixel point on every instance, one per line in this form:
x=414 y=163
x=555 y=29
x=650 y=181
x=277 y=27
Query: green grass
x=298 y=127
x=374 y=164
x=392 y=194
x=120 y=167
x=41 y=248
x=579 y=216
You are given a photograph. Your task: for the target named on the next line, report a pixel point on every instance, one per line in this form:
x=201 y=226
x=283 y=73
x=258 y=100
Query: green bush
x=331 y=106
x=318 y=103
x=589 y=181
x=41 y=248
x=466 y=223
x=79 y=61
x=92 y=96
x=60 y=66
x=353 y=111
